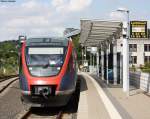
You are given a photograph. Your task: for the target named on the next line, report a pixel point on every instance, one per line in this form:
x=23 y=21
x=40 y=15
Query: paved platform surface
x=135 y=106
x=90 y=103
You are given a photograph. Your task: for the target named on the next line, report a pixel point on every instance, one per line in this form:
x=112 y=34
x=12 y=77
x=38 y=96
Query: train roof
x=54 y=41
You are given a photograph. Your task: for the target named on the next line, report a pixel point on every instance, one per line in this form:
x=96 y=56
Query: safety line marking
x=114 y=114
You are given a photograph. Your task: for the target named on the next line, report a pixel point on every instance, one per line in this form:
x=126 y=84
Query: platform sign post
x=138 y=29
x=126 y=36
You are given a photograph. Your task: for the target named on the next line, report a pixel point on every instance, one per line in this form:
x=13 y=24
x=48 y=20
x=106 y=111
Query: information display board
x=138 y=29
x=43 y=51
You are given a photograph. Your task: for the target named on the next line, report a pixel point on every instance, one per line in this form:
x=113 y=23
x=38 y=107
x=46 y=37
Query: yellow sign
x=138 y=29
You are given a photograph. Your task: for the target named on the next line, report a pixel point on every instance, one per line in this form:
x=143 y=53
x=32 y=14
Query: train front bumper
x=60 y=98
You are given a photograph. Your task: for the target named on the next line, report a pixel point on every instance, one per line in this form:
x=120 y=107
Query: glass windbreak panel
x=45 y=61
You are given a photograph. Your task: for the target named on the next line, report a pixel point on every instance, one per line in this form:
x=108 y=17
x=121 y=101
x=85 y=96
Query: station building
x=139 y=43
x=139 y=51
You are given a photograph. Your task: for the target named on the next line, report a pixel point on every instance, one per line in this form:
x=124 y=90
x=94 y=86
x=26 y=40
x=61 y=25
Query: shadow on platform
x=83 y=84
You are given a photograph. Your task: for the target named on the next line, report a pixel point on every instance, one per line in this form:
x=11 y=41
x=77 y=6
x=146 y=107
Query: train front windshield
x=45 y=61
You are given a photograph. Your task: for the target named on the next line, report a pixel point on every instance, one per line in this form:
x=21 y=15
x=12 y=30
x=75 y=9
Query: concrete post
x=126 y=65
x=115 y=61
x=107 y=53
x=102 y=63
x=97 y=59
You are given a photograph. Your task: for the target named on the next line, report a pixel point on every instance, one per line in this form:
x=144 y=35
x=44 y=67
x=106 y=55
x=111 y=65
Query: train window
x=45 y=61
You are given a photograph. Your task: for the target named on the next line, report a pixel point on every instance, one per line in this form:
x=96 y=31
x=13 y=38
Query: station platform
x=93 y=105
x=134 y=106
x=90 y=104
x=100 y=101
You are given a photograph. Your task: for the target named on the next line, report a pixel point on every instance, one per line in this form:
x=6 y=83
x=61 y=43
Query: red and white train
x=47 y=70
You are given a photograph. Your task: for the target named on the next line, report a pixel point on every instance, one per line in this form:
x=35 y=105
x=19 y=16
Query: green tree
x=8 y=57
x=77 y=45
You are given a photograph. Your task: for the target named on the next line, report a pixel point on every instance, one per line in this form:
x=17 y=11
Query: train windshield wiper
x=51 y=65
x=46 y=65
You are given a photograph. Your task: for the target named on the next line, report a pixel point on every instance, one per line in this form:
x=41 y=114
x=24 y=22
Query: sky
x=35 y=18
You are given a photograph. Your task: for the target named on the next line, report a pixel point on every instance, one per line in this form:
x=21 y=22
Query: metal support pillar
x=107 y=60
x=102 y=63
x=126 y=81
x=85 y=52
x=90 y=59
x=125 y=66
x=82 y=56
x=93 y=60
x=97 y=59
x=115 y=61
x=121 y=66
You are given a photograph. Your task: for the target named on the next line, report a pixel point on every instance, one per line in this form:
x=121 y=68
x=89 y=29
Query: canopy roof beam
x=94 y=32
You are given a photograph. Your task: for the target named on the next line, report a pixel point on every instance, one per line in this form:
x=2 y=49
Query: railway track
x=4 y=78
x=48 y=113
x=66 y=112
x=6 y=81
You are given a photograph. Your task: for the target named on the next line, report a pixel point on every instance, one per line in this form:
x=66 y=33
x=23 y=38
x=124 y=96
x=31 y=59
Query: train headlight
x=39 y=82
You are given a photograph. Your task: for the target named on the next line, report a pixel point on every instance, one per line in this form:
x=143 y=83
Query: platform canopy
x=95 y=32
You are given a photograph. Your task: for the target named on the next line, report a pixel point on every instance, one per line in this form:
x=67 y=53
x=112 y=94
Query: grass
x=9 y=70
x=146 y=70
x=133 y=68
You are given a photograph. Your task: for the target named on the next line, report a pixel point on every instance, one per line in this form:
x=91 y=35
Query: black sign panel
x=138 y=29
